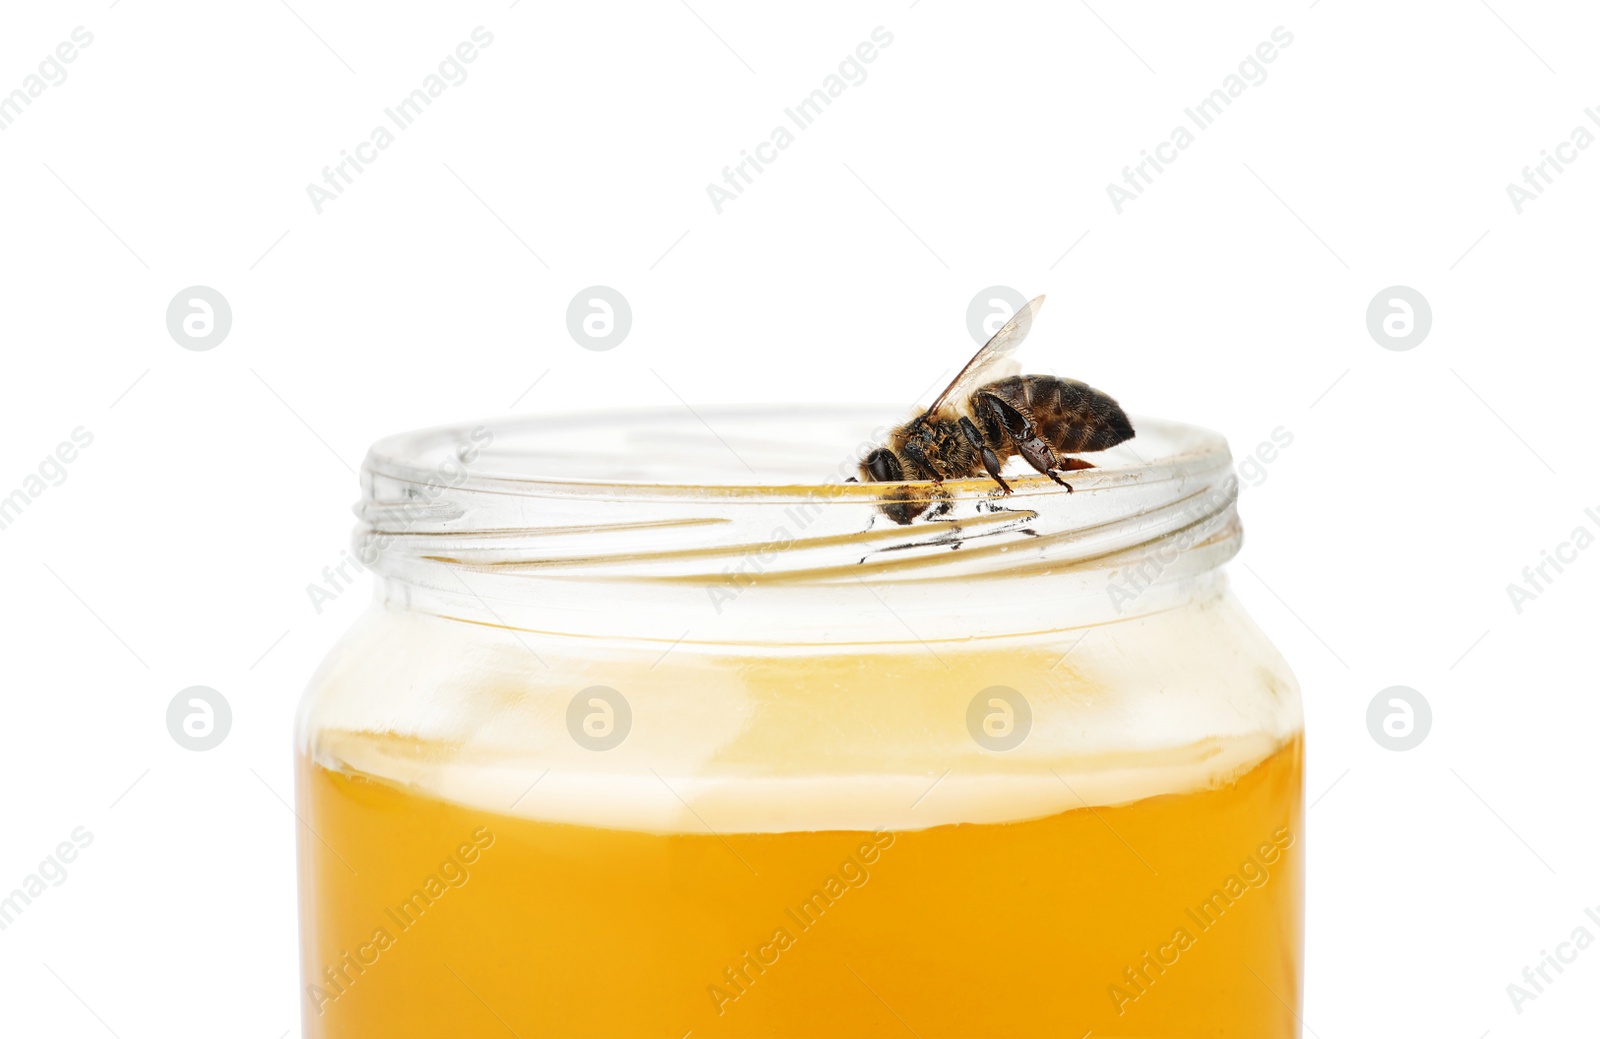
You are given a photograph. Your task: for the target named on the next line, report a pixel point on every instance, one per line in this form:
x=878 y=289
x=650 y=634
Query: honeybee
x=988 y=413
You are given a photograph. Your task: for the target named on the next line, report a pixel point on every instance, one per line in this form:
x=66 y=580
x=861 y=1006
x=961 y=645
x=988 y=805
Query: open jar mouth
x=694 y=509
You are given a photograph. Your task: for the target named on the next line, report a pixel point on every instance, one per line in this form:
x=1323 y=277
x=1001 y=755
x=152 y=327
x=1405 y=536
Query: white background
x=1232 y=293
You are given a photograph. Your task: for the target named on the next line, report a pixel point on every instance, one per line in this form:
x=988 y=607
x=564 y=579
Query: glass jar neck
x=466 y=523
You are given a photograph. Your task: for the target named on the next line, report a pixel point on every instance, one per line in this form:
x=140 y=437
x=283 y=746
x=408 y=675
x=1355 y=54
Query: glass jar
x=659 y=727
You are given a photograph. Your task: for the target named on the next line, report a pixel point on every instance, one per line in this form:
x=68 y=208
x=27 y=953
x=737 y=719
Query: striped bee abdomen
x=1069 y=415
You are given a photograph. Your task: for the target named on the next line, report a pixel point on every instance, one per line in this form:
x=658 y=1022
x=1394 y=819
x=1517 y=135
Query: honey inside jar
x=1013 y=773
x=1174 y=915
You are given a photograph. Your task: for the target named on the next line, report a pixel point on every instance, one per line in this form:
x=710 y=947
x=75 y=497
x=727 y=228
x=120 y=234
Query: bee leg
x=990 y=462
x=1029 y=444
x=915 y=453
x=1037 y=453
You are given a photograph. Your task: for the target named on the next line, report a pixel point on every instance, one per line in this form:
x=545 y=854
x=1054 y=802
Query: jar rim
x=512 y=514
x=587 y=452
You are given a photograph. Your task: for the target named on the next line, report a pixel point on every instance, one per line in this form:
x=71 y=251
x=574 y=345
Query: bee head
x=901 y=504
x=881 y=466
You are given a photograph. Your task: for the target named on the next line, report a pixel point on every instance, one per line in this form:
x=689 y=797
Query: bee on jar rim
x=990 y=413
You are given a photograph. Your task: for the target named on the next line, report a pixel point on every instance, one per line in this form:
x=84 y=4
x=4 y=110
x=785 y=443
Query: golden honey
x=1174 y=915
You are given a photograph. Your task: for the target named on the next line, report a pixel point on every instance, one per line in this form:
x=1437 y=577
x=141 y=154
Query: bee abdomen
x=1069 y=415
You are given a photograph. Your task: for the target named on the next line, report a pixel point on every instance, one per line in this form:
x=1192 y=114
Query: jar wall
x=1150 y=812
x=1182 y=695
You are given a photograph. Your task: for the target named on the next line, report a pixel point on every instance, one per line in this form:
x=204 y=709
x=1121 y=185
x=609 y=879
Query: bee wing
x=984 y=363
